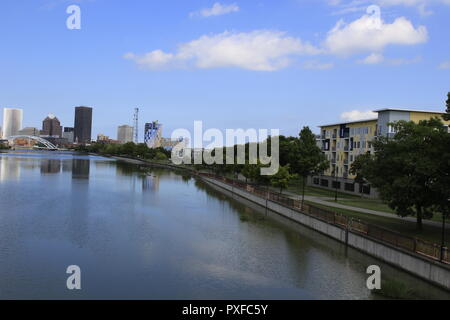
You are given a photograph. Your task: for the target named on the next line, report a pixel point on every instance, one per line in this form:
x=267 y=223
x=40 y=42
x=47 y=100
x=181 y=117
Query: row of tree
x=299 y=157
x=129 y=149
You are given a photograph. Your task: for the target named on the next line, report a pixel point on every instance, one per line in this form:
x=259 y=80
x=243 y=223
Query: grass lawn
x=429 y=233
x=376 y=205
x=371 y=204
x=295 y=186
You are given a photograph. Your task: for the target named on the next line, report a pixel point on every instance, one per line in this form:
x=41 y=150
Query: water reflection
x=150 y=183
x=160 y=234
x=50 y=166
x=80 y=168
x=9 y=169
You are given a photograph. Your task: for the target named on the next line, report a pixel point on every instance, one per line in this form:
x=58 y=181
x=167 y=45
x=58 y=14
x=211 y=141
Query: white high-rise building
x=125 y=134
x=12 y=122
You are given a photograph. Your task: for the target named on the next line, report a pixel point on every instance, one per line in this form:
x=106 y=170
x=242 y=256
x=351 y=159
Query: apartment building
x=343 y=142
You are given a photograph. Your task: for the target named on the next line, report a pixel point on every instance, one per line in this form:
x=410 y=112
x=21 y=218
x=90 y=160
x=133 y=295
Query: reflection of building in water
x=66 y=165
x=80 y=169
x=150 y=183
x=50 y=166
x=9 y=169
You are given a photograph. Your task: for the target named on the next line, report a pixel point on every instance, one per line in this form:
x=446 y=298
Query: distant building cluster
x=80 y=132
x=52 y=131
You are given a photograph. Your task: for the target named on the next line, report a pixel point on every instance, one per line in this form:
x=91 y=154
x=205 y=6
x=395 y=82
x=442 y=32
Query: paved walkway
x=331 y=203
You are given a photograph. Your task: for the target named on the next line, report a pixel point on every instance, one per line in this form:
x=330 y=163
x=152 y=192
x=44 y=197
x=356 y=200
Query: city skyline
x=311 y=77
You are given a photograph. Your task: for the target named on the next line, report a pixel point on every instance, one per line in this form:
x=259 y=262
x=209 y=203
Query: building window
x=336 y=185
x=350 y=187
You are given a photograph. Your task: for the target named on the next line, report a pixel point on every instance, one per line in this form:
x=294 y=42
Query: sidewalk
x=323 y=201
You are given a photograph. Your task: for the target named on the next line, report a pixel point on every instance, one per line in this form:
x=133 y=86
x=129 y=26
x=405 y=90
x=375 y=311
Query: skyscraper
x=12 y=122
x=83 y=125
x=51 y=126
x=125 y=134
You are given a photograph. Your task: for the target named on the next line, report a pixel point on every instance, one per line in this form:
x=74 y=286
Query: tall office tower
x=12 y=122
x=153 y=134
x=51 y=127
x=68 y=134
x=125 y=133
x=83 y=125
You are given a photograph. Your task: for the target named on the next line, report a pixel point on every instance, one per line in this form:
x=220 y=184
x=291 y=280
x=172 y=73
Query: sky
x=232 y=64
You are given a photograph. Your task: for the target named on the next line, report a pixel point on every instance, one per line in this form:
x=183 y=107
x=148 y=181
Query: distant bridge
x=47 y=144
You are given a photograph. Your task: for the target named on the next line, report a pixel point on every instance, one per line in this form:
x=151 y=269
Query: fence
x=421 y=247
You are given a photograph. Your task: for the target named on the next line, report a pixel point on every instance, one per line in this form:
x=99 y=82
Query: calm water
x=155 y=234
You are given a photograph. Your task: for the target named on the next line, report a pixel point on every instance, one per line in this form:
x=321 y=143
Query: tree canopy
x=411 y=170
x=446 y=116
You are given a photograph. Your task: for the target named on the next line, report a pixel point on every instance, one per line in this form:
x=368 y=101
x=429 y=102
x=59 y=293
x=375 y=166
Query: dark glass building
x=83 y=125
x=51 y=127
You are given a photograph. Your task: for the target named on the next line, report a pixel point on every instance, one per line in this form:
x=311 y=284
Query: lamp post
x=335 y=186
x=443 y=231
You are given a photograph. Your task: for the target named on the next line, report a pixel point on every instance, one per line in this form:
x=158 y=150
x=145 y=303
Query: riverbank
x=411 y=262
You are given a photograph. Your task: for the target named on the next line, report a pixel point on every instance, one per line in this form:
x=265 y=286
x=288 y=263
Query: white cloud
x=374 y=58
x=317 y=65
x=356 y=115
x=369 y=34
x=445 y=65
x=259 y=50
x=378 y=58
x=217 y=9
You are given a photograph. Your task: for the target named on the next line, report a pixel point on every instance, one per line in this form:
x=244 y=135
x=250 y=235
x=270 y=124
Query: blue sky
x=233 y=64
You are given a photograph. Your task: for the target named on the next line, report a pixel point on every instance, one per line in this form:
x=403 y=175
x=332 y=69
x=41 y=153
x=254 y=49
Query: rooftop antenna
x=136 y=123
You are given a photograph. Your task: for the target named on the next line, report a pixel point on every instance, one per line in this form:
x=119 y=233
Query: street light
x=335 y=186
x=443 y=231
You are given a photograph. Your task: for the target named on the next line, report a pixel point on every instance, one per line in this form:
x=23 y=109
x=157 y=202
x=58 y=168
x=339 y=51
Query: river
x=141 y=233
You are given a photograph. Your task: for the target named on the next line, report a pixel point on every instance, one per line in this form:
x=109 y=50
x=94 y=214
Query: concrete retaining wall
x=415 y=264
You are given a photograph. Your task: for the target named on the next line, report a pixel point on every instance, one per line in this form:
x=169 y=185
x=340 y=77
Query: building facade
x=125 y=134
x=68 y=134
x=153 y=134
x=83 y=125
x=51 y=127
x=12 y=122
x=343 y=142
x=29 y=131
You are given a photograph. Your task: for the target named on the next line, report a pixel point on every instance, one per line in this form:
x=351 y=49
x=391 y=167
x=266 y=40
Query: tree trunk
x=419 y=218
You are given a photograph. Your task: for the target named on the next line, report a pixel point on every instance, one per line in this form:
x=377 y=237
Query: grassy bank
x=429 y=233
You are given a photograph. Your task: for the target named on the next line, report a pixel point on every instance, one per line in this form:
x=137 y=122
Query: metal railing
x=393 y=238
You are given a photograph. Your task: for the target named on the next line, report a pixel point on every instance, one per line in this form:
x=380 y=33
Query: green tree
x=281 y=178
x=160 y=156
x=446 y=116
x=411 y=169
x=357 y=169
x=127 y=148
x=309 y=158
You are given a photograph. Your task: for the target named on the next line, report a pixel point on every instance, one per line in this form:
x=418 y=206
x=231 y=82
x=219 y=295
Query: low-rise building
x=343 y=142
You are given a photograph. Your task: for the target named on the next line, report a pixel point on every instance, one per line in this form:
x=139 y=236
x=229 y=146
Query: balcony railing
x=334 y=135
